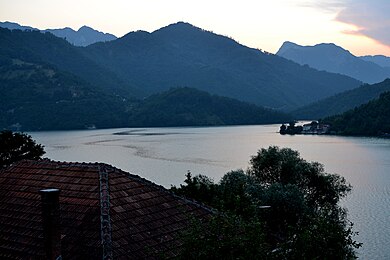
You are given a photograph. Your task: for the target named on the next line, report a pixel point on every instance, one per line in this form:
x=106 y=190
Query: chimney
x=51 y=223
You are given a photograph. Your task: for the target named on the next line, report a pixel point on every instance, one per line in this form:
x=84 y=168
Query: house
x=307 y=127
x=315 y=128
x=102 y=213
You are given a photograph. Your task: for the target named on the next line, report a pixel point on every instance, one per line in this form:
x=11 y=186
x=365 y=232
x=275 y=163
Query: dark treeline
x=191 y=107
x=342 y=102
x=371 y=119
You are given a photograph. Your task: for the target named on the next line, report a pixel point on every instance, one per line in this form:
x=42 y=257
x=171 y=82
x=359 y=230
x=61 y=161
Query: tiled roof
x=141 y=219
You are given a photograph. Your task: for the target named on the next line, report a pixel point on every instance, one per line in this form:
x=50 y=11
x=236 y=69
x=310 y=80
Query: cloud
x=324 y=5
x=371 y=18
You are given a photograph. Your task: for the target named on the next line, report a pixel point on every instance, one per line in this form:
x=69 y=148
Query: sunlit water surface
x=164 y=155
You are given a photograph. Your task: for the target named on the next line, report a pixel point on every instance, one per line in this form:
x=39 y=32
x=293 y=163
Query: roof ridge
x=105 y=220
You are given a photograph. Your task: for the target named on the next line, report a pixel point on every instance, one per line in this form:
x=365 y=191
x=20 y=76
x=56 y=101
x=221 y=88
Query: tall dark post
x=51 y=223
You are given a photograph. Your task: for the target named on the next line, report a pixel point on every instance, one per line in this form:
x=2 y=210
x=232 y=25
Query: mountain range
x=184 y=55
x=82 y=37
x=181 y=55
x=134 y=76
x=332 y=58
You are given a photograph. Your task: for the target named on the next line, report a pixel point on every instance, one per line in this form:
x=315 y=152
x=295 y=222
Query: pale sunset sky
x=361 y=26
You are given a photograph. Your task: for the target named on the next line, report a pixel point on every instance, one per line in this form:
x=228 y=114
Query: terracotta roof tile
x=143 y=218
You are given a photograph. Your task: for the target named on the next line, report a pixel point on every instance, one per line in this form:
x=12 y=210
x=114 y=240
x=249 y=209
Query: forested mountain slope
x=371 y=119
x=342 y=102
x=182 y=55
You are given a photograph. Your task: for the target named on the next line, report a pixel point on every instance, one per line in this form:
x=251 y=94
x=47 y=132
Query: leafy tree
x=200 y=188
x=284 y=166
x=18 y=146
x=225 y=237
x=301 y=220
x=234 y=193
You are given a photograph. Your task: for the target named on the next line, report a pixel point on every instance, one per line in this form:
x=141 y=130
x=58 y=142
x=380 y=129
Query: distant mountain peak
x=83 y=37
x=333 y=58
x=179 y=26
x=84 y=27
x=287 y=45
x=182 y=24
x=13 y=26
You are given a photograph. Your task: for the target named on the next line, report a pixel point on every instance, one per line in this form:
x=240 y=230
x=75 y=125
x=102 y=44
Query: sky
x=360 y=26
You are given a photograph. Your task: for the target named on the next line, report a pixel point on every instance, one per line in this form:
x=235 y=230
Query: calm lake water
x=164 y=155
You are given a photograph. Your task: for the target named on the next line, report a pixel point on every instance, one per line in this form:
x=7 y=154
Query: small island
x=312 y=128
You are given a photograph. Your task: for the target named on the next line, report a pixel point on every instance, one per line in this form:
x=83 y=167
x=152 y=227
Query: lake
x=164 y=155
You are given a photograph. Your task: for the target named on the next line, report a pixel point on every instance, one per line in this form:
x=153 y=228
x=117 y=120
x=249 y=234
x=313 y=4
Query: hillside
x=82 y=37
x=180 y=55
x=34 y=46
x=342 y=102
x=333 y=58
x=191 y=107
x=183 y=55
x=36 y=96
x=371 y=119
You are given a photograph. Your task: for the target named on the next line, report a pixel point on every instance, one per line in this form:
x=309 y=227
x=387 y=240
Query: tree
x=283 y=129
x=18 y=146
x=285 y=166
x=200 y=188
x=224 y=236
x=304 y=220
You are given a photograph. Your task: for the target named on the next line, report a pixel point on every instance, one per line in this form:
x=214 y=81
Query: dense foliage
x=37 y=96
x=371 y=119
x=18 y=146
x=290 y=129
x=189 y=107
x=37 y=47
x=291 y=204
x=342 y=102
